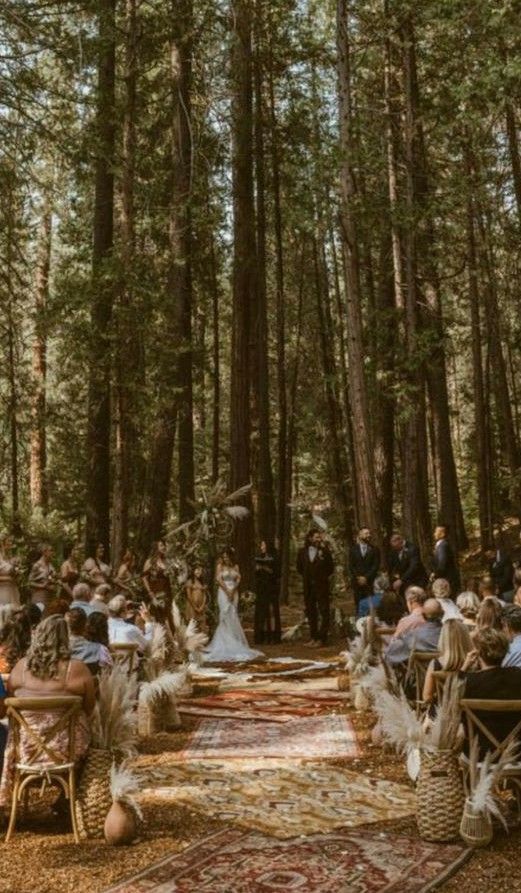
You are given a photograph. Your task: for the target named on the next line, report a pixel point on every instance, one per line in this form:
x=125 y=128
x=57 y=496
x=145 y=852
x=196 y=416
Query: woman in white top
x=9 y=594
x=229 y=642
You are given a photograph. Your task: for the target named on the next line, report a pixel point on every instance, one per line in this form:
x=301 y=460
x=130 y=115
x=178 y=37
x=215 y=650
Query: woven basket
x=171 y=718
x=94 y=799
x=150 y=717
x=476 y=827
x=343 y=681
x=439 y=796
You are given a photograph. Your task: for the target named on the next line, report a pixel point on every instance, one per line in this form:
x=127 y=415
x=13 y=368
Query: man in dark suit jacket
x=444 y=562
x=501 y=570
x=315 y=565
x=364 y=564
x=405 y=564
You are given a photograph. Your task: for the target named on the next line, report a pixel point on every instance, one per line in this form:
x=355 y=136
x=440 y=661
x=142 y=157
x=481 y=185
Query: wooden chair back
x=440 y=678
x=125 y=655
x=44 y=755
x=472 y=706
x=417 y=671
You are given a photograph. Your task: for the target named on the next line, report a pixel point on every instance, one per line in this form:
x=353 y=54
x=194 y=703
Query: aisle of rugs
x=266 y=758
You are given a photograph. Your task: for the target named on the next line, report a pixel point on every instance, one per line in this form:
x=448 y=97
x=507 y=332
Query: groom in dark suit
x=364 y=564
x=315 y=565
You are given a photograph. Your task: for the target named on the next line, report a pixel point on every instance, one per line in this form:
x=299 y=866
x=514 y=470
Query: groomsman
x=315 y=565
x=405 y=564
x=444 y=562
x=364 y=564
x=501 y=570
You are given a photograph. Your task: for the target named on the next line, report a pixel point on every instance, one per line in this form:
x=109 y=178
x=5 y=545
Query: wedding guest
x=15 y=638
x=501 y=569
x=454 y=645
x=315 y=565
x=42 y=577
x=126 y=574
x=388 y=614
x=490 y=614
x=512 y=629
x=70 y=571
x=468 y=605
x=415 y=598
x=267 y=584
x=371 y=602
x=422 y=638
x=82 y=598
x=121 y=632
x=82 y=648
x=157 y=584
x=100 y=599
x=364 y=564
x=9 y=570
x=97 y=630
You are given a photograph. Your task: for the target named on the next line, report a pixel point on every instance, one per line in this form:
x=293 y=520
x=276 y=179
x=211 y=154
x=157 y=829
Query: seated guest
x=35 y=614
x=512 y=629
x=441 y=591
x=15 y=638
x=49 y=671
x=82 y=598
x=97 y=630
x=369 y=602
x=492 y=682
x=490 y=614
x=388 y=613
x=100 y=598
x=55 y=606
x=468 y=605
x=81 y=647
x=486 y=589
x=415 y=598
x=123 y=633
x=516 y=592
x=454 y=646
x=422 y=638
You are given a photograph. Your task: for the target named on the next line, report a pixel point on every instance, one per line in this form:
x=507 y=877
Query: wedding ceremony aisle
x=271 y=783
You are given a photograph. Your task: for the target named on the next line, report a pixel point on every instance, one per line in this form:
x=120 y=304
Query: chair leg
x=14 y=808
x=72 y=804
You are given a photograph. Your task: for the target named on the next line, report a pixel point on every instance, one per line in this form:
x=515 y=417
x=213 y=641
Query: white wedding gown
x=228 y=641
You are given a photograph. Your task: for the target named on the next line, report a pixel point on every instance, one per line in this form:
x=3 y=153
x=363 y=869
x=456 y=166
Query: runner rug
x=324 y=737
x=282 y=800
x=261 y=705
x=234 y=861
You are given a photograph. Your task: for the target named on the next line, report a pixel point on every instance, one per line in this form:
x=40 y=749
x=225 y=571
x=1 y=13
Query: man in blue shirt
x=512 y=623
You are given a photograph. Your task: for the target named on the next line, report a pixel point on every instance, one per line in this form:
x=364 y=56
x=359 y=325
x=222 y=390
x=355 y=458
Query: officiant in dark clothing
x=405 y=564
x=364 y=564
x=315 y=565
x=501 y=570
x=266 y=622
x=444 y=561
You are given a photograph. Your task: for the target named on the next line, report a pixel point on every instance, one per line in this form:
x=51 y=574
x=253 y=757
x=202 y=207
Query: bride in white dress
x=229 y=642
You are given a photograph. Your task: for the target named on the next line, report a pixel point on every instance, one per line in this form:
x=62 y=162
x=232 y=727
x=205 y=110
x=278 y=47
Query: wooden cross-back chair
x=40 y=759
x=125 y=655
x=475 y=724
x=416 y=673
x=440 y=678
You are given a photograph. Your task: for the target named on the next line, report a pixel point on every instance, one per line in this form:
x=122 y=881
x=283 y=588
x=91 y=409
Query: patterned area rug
x=232 y=861
x=284 y=800
x=261 y=705
x=316 y=737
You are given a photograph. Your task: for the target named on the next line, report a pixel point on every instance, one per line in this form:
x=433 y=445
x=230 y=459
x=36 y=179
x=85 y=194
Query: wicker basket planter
x=150 y=717
x=440 y=796
x=476 y=827
x=94 y=800
x=343 y=682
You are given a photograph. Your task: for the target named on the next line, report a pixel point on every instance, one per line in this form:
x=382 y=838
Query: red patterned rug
x=314 y=737
x=234 y=861
x=262 y=705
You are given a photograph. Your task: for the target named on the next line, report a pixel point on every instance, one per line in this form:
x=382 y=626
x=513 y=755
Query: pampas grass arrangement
x=114 y=724
x=167 y=684
x=483 y=802
x=123 y=786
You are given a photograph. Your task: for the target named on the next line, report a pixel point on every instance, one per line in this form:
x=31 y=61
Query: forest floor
x=42 y=857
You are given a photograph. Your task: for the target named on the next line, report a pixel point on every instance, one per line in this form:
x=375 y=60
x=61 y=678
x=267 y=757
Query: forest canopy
x=256 y=241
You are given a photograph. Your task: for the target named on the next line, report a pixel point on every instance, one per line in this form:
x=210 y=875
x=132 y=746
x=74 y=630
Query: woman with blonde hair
x=454 y=645
x=468 y=605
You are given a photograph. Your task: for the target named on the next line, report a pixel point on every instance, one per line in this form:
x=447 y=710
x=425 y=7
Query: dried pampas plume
x=166 y=684
x=123 y=785
x=114 y=723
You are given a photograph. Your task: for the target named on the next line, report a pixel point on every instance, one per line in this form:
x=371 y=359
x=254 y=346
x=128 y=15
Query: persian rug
x=282 y=801
x=267 y=706
x=314 y=737
x=234 y=861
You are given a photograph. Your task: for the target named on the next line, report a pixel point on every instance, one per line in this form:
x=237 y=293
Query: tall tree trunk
x=359 y=403
x=386 y=334
x=261 y=390
x=513 y=148
x=127 y=343
x=216 y=370
x=282 y=397
x=481 y=419
x=415 y=515
x=38 y=463
x=99 y=415
x=244 y=272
